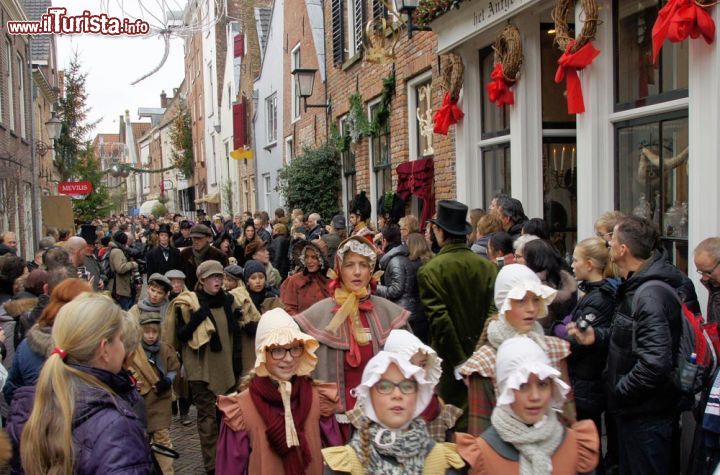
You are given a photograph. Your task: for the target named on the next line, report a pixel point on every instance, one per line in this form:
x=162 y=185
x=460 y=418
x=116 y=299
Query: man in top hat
x=457 y=290
x=199 y=252
x=92 y=264
x=184 y=240
x=164 y=257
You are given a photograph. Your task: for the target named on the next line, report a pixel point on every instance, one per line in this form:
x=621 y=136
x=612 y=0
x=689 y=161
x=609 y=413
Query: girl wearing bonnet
x=351 y=325
x=393 y=439
x=526 y=437
x=280 y=422
x=521 y=300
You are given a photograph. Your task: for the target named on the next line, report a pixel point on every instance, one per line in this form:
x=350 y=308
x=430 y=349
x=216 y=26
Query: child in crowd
x=156 y=300
x=177 y=280
x=279 y=423
x=526 y=437
x=233 y=277
x=521 y=300
x=155 y=365
x=394 y=438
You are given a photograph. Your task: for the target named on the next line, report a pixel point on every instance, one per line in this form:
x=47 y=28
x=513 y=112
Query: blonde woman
x=80 y=421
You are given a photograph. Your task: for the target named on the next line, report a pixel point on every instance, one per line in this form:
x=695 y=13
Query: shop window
x=347 y=159
x=495 y=120
x=652 y=177
x=495 y=171
x=423 y=119
x=638 y=81
x=380 y=154
x=554 y=98
x=560 y=191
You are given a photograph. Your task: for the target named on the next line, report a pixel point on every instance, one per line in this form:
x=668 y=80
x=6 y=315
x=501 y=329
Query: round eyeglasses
x=279 y=353
x=406 y=386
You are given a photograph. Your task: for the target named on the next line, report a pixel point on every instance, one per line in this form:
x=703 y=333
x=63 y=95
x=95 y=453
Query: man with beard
x=199 y=252
x=707 y=262
x=164 y=257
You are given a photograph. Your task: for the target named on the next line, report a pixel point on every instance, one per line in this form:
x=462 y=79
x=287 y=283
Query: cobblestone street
x=186 y=442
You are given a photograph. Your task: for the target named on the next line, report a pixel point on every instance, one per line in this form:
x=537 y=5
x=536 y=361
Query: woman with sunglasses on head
x=393 y=438
x=280 y=421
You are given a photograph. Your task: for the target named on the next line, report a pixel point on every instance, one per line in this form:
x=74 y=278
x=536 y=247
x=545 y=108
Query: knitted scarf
x=153 y=355
x=500 y=330
x=536 y=443
x=145 y=305
x=267 y=398
x=220 y=300
x=393 y=452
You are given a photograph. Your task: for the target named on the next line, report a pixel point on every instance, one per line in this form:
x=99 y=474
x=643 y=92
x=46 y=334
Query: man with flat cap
x=164 y=257
x=199 y=252
x=457 y=290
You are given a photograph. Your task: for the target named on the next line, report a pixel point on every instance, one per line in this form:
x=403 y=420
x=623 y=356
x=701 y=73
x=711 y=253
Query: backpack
x=105 y=266
x=696 y=338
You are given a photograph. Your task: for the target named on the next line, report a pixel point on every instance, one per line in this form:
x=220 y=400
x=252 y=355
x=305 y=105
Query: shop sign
x=74 y=188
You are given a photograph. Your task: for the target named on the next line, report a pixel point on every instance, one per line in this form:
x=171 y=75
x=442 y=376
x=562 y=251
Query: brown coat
x=240 y=414
x=386 y=316
x=578 y=453
x=300 y=292
x=189 y=265
x=159 y=414
x=120 y=284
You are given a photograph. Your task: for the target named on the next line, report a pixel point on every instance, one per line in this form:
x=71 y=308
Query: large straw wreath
x=453 y=74
x=507 y=62
x=562 y=29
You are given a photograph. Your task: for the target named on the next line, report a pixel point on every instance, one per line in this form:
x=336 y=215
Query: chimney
x=163 y=100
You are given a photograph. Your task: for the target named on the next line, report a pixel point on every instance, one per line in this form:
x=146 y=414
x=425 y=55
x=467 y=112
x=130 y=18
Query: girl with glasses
x=393 y=438
x=281 y=419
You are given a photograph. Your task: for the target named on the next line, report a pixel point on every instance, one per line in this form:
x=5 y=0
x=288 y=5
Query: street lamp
x=408 y=8
x=304 y=85
x=54 y=126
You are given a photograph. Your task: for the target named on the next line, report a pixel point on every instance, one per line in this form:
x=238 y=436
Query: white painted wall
x=229 y=168
x=210 y=98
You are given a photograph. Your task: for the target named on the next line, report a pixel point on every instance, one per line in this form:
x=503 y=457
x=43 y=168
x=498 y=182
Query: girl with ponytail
x=78 y=422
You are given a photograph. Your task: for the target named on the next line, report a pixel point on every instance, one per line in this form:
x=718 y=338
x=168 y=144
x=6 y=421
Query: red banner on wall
x=74 y=188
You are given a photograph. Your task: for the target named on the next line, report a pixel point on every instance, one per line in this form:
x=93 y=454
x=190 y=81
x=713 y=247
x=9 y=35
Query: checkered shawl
x=483 y=360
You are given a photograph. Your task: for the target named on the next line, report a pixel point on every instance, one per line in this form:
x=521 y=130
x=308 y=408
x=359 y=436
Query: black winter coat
x=399 y=282
x=155 y=261
x=643 y=343
x=586 y=363
x=279 y=248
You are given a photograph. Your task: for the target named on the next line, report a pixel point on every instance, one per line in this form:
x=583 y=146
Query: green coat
x=457 y=290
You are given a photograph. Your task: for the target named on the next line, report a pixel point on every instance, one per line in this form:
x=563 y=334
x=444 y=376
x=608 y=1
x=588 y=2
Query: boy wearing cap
x=177 y=279
x=156 y=300
x=233 y=277
x=156 y=367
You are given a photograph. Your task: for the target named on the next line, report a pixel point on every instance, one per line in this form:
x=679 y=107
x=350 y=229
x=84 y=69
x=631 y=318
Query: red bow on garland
x=568 y=66
x=499 y=88
x=447 y=115
x=679 y=19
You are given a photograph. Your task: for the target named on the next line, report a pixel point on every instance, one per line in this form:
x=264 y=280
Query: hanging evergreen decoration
x=357 y=124
x=382 y=115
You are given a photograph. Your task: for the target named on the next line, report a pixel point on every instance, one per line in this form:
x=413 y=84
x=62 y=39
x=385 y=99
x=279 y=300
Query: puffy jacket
x=120 y=284
x=480 y=246
x=30 y=357
x=587 y=363
x=399 y=282
x=639 y=369
x=107 y=434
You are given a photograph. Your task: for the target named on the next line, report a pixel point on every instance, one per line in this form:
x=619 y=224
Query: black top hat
x=164 y=228
x=451 y=217
x=89 y=233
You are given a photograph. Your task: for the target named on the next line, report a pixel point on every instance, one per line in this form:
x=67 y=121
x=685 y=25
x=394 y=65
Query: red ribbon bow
x=447 y=115
x=568 y=66
x=679 y=19
x=499 y=88
x=59 y=351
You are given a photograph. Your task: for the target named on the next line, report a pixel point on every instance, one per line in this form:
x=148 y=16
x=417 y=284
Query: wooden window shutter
x=359 y=24
x=239 y=43
x=238 y=125
x=337 y=32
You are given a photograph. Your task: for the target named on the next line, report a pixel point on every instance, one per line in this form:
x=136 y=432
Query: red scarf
x=266 y=397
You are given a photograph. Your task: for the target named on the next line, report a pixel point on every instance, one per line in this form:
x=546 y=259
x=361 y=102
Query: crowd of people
x=473 y=343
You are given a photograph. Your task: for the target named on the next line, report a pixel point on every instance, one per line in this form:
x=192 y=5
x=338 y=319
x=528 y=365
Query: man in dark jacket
x=643 y=350
x=184 y=240
x=707 y=263
x=316 y=228
x=511 y=214
x=164 y=257
x=199 y=252
x=457 y=289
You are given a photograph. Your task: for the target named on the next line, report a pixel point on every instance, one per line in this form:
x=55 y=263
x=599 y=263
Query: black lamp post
x=408 y=7
x=304 y=85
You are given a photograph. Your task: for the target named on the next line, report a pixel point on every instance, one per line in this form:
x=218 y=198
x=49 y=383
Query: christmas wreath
x=507 y=60
x=452 y=82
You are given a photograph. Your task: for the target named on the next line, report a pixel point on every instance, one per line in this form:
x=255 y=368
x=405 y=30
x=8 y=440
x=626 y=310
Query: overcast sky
x=112 y=63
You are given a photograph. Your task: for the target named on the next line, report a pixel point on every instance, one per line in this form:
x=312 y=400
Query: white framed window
x=210 y=78
x=10 y=87
x=416 y=141
x=289 y=149
x=21 y=95
x=268 y=189
x=271 y=114
x=347 y=160
x=295 y=94
x=380 y=158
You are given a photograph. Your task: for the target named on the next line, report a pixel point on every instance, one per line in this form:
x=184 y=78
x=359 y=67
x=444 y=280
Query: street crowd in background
x=473 y=343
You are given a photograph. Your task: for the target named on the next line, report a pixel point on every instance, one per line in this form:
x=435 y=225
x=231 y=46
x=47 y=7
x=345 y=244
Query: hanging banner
x=241 y=153
x=74 y=188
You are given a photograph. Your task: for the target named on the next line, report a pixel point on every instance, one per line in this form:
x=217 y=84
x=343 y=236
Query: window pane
x=554 y=98
x=639 y=180
x=675 y=174
x=423 y=101
x=496 y=171
x=494 y=119
x=560 y=192
x=637 y=76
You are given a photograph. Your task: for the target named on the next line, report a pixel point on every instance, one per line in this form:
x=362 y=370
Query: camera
x=585 y=321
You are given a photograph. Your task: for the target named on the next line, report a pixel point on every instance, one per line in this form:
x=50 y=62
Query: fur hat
x=392 y=207
x=361 y=206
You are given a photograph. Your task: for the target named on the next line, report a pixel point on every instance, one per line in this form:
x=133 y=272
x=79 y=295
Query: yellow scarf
x=349 y=306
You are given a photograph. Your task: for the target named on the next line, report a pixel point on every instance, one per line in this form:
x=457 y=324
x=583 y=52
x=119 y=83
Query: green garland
x=380 y=120
x=145 y=170
x=429 y=10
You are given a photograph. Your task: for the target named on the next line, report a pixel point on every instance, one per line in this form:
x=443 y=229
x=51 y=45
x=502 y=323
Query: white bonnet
x=514 y=281
x=277 y=328
x=406 y=344
x=358 y=245
x=517 y=359
x=373 y=373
